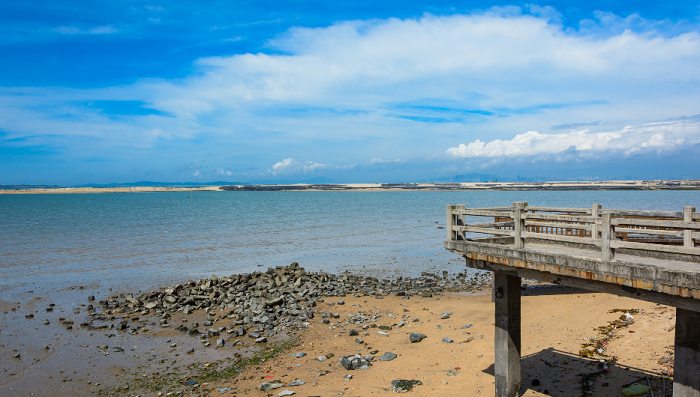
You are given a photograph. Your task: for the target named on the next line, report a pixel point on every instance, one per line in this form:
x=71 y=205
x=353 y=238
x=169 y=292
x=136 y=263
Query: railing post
x=688 y=234
x=595 y=213
x=518 y=224
x=460 y=221
x=608 y=233
x=450 y=223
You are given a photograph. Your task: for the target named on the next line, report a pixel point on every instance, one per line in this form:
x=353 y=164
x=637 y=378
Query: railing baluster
x=688 y=234
x=450 y=223
x=518 y=224
x=608 y=233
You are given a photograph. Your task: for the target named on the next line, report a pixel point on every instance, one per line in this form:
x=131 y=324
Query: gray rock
x=353 y=332
x=403 y=386
x=300 y=354
x=322 y=358
x=297 y=382
x=358 y=340
x=347 y=377
x=447 y=340
x=268 y=386
x=388 y=356
x=220 y=342
x=286 y=393
x=466 y=326
x=415 y=337
x=253 y=334
x=262 y=339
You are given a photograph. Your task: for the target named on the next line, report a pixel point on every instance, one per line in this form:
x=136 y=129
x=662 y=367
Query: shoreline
x=126 y=344
x=393 y=187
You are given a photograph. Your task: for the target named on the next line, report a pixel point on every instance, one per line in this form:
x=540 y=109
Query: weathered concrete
x=686 y=381
x=673 y=278
x=507 y=335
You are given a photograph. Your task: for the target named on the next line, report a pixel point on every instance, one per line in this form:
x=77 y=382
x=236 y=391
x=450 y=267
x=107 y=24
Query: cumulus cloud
x=290 y=166
x=354 y=89
x=659 y=136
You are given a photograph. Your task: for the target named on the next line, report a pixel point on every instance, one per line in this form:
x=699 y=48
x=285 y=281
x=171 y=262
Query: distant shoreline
x=453 y=186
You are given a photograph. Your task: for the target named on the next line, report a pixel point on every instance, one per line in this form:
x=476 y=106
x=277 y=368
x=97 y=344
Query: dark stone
x=535 y=382
x=415 y=337
x=403 y=386
x=353 y=332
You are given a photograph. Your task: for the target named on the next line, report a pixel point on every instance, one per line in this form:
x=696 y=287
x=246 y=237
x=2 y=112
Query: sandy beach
x=88 y=353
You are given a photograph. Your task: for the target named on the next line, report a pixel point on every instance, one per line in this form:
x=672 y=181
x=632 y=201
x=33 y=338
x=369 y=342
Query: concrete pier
x=648 y=255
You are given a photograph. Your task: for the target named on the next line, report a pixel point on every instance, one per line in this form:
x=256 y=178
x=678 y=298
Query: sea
x=137 y=241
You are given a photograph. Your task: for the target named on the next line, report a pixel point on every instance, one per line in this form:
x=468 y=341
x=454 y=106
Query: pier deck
x=649 y=255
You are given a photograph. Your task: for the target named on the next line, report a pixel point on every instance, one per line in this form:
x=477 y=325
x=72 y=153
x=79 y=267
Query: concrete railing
x=660 y=231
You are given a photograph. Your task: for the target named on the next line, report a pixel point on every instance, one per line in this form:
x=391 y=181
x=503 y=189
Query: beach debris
x=403 y=386
x=635 y=389
x=416 y=337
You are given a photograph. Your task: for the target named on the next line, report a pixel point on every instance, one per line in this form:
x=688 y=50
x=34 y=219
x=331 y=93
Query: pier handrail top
x=607 y=229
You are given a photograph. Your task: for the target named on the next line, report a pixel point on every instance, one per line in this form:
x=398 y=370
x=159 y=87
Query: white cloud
x=229 y=173
x=290 y=166
x=96 y=30
x=196 y=174
x=659 y=136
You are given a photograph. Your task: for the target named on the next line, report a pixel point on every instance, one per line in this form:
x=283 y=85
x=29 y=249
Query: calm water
x=142 y=239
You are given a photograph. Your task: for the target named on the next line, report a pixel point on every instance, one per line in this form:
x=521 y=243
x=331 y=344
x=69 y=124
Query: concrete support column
x=507 y=338
x=686 y=379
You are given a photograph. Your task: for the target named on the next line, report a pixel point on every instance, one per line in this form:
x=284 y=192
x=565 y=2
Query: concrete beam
x=507 y=336
x=686 y=368
x=588 y=284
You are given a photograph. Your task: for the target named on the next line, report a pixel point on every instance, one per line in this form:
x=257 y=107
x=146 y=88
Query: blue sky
x=101 y=92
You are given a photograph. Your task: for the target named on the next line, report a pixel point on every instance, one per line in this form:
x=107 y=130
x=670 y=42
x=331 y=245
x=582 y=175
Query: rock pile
x=261 y=302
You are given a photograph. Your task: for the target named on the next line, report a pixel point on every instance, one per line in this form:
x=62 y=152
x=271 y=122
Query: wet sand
x=556 y=322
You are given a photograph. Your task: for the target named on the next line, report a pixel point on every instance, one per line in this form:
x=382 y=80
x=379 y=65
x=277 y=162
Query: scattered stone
x=262 y=339
x=466 y=326
x=286 y=393
x=322 y=358
x=220 y=342
x=415 y=337
x=358 y=340
x=447 y=340
x=403 y=386
x=268 y=386
x=297 y=382
x=353 y=332
x=388 y=356
x=300 y=354
x=347 y=377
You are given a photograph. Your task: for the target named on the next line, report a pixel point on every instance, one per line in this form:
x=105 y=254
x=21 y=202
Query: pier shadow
x=561 y=374
x=553 y=289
